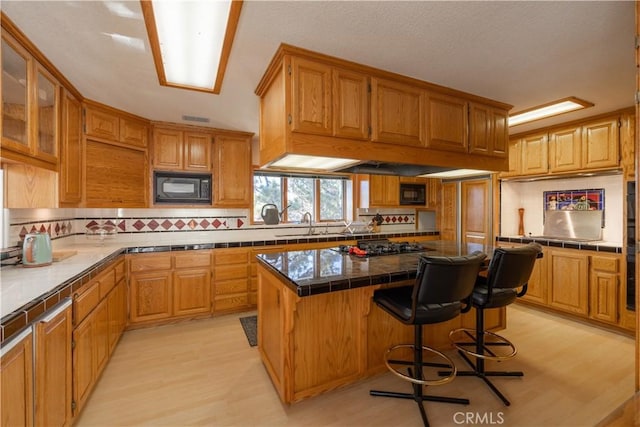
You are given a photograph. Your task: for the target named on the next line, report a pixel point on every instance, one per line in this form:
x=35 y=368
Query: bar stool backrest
x=512 y=267
x=446 y=279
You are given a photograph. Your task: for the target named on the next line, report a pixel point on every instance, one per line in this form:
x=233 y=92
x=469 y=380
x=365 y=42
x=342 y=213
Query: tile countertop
x=316 y=271
x=20 y=286
x=598 y=246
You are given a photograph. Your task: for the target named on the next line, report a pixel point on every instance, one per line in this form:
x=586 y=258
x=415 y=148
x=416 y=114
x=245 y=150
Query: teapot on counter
x=36 y=250
x=270 y=214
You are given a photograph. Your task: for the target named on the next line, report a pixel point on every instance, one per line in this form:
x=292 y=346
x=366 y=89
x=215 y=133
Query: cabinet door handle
x=16 y=340
x=61 y=307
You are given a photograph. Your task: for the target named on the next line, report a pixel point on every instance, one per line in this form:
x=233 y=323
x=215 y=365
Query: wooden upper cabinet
x=100 y=124
x=446 y=122
x=71 y=152
x=535 y=157
x=106 y=124
x=592 y=146
x=600 y=144
x=384 y=190
x=350 y=104
x=133 y=133
x=232 y=171
x=168 y=149
x=30 y=108
x=16 y=65
x=47 y=104
x=585 y=145
x=311 y=97
x=565 y=153
x=488 y=130
x=515 y=158
x=197 y=151
x=396 y=113
x=175 y=149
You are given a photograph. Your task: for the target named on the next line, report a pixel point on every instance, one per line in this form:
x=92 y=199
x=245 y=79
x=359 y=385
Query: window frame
x=284 y=177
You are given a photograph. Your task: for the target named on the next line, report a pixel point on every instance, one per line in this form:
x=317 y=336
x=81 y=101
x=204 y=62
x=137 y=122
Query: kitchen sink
x=314 y=234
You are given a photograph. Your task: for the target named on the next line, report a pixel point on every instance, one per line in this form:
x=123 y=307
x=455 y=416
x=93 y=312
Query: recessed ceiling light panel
x=550 y=109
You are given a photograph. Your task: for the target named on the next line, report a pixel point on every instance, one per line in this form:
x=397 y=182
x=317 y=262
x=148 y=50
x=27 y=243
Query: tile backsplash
x=61 y=223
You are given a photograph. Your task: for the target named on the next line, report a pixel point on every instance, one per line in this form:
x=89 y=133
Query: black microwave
x=413 y=194
x=181 y=188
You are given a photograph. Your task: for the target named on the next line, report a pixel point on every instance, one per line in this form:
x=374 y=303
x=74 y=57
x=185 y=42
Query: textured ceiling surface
x=521 y=53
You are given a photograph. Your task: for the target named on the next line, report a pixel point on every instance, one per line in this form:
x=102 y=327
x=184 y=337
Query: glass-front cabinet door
x=30 y=103
x=15 y=99
x=46 y=114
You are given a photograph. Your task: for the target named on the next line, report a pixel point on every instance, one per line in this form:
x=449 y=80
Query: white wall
x=529 y=195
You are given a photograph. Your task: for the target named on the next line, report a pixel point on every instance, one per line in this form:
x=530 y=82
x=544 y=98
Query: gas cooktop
x=379 y=247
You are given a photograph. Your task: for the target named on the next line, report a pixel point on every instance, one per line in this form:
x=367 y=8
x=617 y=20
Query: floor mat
x=250 y=326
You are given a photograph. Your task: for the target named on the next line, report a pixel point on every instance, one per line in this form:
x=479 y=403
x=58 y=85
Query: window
x=322 y=196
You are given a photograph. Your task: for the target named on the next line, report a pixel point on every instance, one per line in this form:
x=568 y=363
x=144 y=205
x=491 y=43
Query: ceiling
x=521 y=53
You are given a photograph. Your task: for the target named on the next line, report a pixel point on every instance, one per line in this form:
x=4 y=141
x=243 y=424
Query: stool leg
x=415 y=371
x=478 y=369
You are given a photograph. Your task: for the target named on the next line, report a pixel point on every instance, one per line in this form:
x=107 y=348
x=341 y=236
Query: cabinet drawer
x=604 y=264
x=107 y=281
x=226 y=272
x=229 y=303
x=231 y=257
x=84 y=303
x=231 y=287
x=190 y=259
x=150 y=263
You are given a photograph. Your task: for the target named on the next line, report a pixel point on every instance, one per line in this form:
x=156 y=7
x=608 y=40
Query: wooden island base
x=310 y=345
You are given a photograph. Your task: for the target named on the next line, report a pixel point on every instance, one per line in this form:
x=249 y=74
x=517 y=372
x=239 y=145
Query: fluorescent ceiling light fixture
x=191 y=40
x=299 y=161
x=457 y=173
x=551 y=109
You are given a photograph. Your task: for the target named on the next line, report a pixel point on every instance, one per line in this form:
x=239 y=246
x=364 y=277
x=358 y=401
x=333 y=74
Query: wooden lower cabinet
x=84 y=362
x=568 y=280
x=579 y=282
x=604 y=279
x=165 y=286
x=16 y=381
x=537 y=285
x=150 y=296
x=310 y=345
x=53 y=369
x=100 y=317
x=232 y=279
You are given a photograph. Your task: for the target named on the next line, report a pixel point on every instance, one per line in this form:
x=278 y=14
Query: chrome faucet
x=306 y=217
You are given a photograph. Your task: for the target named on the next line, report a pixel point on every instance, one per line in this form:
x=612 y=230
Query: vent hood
x=386 y=168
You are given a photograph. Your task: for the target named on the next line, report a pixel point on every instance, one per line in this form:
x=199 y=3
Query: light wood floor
x=204 y=373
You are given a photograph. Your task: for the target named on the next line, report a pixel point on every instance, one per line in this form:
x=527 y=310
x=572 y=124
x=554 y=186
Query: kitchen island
x=318 y=328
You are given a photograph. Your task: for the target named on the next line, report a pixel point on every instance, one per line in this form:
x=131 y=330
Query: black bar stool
x=509 y=270
x=441 y=284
